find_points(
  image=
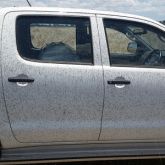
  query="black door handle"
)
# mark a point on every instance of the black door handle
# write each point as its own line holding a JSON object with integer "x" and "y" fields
{"x": 119, "y": 81}
{"x": 21, "y": 78}
{"x": 113, "y": 82}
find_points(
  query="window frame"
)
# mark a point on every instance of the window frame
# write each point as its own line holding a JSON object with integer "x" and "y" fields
{"x": 134, "y": 21}
{"x": 57, "y": 62}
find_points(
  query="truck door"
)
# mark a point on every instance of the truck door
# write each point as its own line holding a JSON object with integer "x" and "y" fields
{"x": 134, "y": 69}
{"x": 53, "y": 83}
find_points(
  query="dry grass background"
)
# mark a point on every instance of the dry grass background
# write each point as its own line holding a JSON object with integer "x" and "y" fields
{"x": 118, "y": 42}
{"x": 44, "y": 35}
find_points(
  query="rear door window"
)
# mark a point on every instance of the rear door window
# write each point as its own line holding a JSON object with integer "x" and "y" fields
{"x": 55, "y": 39}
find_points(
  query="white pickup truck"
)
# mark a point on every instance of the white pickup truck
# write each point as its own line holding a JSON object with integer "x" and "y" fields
{"x": 80, "y": 85}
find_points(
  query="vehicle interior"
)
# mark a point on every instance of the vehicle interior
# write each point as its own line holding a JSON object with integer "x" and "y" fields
{"x": 141, "y": 50}
{"x": 56, "y": 49}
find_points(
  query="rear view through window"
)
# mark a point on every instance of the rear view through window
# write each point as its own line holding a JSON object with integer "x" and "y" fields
{"x": 55, "y": 39}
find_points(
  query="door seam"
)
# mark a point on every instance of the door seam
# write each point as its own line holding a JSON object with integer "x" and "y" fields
{"x": 102, "y": 113}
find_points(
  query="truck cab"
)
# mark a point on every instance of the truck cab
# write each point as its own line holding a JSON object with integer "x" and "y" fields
{"x": 83, "y": 81}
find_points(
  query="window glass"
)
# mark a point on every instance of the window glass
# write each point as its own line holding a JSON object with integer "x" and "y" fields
{"x": 55, "y": 39}
{"x": 119, "y": 43}
{"x": 42, "y": 34}
{"x": 134, "y": 44}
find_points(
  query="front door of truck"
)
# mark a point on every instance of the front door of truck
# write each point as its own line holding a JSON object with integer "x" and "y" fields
{"x": 134, "y": 70}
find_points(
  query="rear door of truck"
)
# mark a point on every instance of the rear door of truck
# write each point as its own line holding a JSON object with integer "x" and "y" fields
{"x": 52, "y": 76}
